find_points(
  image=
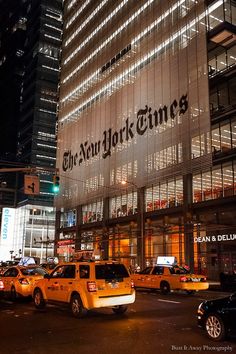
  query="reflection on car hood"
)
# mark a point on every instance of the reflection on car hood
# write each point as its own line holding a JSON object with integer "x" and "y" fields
{"x": 218, "y": 302}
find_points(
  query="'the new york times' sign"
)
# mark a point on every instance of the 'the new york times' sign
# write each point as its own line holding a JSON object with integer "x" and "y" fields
{"x": 147, "y": 119}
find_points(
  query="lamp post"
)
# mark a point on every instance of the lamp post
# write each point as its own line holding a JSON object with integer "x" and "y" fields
{"x": 140, "y": 221}
{"x": 11, "y": 253}
{"x": 32, "y": 230}
{"x": 45, "y": 243}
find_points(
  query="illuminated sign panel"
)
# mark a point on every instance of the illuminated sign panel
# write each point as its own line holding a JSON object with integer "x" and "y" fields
{"x": 147, "y": 119}
{"x": 215, "y": 238}
{"x": 166, "y": 260}
{"x": 7, "y": 230}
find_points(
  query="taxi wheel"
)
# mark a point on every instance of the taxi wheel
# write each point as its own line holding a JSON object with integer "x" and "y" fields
{"x": 76, "y": 306}
{"x": 165, "y": 288}
{"x": 120, "y": 309}
{"x": 13, "y": 294}
{"x": 39, "y": 302}
{"x": 215, "y": 327}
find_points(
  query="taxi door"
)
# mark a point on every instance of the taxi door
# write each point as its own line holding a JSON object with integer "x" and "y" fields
{"x": 156, "y": 277}
{"x": 52, "y": 285}
{"x": 172, "y": 278}
{"x": 142, "y": 279}
{"x": 60, "y": 283}
{"x": 9, "y": 279}
{"x": 66, "y": 282}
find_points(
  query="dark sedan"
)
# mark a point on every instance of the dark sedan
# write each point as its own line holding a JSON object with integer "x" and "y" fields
{"x": 218, "y": 317}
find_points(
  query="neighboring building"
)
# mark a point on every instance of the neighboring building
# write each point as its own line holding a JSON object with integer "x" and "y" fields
{"x": 12, "y": 39}
{"x": 36, "y": 134}
{"x": 35, "y": 118}
{"x": 147, "y": 97}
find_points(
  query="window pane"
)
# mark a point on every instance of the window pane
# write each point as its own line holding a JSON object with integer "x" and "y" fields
{"x": 233, "y": 128}
{"x": 206, "y": 186}
{"x": 228, "y": 180}
{"x": 197, "y": 188}
{"x": 217, "y": 184}
{"x": 215, "y": 138}
{"x": 225, "y": 137}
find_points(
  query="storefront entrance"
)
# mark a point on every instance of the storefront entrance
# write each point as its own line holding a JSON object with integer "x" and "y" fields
{"x": 228, "y": 262}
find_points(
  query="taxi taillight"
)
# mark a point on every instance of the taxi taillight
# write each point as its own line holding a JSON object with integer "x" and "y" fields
{"x": 184, "y": 279}
{"x": 23, "y": 281}
{"x": 132, "y": 283}
{"x": 1, "y": 285}
{"x": 91, "y": 286}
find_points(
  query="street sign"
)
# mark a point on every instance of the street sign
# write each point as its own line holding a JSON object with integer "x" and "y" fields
{"x": 31, "y": 185}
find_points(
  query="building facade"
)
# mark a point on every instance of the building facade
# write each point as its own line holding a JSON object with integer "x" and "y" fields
{"x": 12, "y": 39}
{"x": 39, "y": 96}
{"x": 37, "y": 124}
{"x": 146, "y": 132}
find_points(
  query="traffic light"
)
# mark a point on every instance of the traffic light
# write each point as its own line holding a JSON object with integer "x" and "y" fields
{"x": 56, "y": 184}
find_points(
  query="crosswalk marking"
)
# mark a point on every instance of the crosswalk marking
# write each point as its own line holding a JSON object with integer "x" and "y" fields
{"x": 174, "y": 302}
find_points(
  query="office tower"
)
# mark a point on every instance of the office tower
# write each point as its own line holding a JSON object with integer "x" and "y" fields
{"x": 36, "y": 114}
{"x": 12, "y": 38}
{"x": 146, "y": 132}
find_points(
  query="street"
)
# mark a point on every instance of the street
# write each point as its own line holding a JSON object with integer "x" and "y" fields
{"x": 153, "y": 324}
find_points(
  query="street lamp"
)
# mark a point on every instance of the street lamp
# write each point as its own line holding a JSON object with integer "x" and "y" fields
{"x": 11, "y": 253}
{"x": 45, "y": 243}
{"x": 124, "y": 182}
{"x": 32, "y": 231}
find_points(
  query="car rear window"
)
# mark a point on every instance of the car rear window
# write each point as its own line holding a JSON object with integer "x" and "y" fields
{"x": 111, "y": 271}
{"x": 178, "y": 270}
{"x": 33, "y": 271}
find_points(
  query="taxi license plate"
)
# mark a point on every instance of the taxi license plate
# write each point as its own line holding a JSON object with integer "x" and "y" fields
{"x": 195, "y": 279}
{"x": 114, "y": 285}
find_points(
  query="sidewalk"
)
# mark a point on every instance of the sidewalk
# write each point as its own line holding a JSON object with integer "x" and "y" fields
{"x": 214, "y": 285}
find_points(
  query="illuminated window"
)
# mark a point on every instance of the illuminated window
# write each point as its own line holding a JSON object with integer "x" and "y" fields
{"x": 123, "y": 205}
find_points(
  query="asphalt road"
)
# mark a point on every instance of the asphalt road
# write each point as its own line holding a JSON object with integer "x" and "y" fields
{"x": 154, "y": 324}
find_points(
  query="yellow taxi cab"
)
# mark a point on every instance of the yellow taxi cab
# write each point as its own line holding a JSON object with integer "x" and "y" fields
{"x": 168, "y": 278}
{"x": 86, "y": 285}
{"x": 18, "y": 281}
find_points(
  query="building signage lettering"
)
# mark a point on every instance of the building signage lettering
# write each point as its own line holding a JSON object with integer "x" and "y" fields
{"x": 147, "y": 118}
{"x": 214, "y": 238}
{"x": 6, "y": 221}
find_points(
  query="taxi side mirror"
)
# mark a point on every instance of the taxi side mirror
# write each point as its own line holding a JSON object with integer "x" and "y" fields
{"x": 47, "y": 276}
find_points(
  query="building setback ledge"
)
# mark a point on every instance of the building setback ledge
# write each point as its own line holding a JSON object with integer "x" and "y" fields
{"x": 224, "y": 34}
